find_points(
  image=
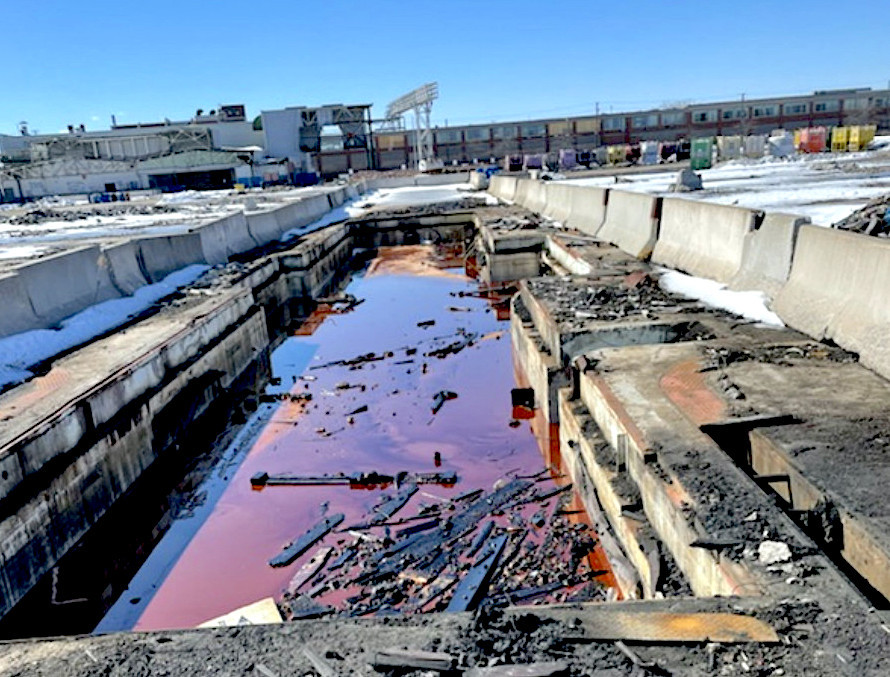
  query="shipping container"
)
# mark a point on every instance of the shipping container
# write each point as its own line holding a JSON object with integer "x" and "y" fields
{"x": 568, "y": 158}
{"x": 755, "y": 146}
{"x": 860, "y": 136}
{"x": 812, "y": 139}
{"x": 617, "y": 154}
{"x": 649, "y": 152}
{"x": 839, "y": 136}
{"x": 729, "y": 147}
{"x": 701, "y": 150}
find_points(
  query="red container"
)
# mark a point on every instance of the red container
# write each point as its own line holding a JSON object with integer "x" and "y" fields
{"x": 813, "y": 139}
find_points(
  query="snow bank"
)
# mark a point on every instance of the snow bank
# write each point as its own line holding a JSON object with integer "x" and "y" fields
{"x": 340, "y": 213}
{"x": 20, "y": 352}
{"x": 412, "y": 196}
{"x": 748, "y": 304}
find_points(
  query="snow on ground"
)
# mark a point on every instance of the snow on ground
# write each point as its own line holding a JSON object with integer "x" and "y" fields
{"x": 100, "y": 226}
{"x": 411, "y": 196}
{"x": 340, "y": 213}
{"x": 20, "y": 352}
{"x": 389, "y": 197}
{"x": 748, "y": 304}
{"x": 826, "y": 187}
{"x": 8, "y": 253}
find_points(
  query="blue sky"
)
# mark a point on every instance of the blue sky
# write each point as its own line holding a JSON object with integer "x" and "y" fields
{"x": 79, "y": 62}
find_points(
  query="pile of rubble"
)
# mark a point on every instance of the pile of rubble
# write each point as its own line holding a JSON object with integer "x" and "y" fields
{"x": 873, "y": 219}
{"x": 576, "y": 303}
{"x": 41, "y": 215}
{"x": 514, "y": 544}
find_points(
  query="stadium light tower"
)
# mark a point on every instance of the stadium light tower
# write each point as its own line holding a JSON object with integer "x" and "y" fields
{"x": 420, "y": 101}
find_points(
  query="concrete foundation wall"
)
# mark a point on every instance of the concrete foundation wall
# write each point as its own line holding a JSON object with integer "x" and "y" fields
{"x": 838, "y": 290}
{"x": 702, "y": 238}
{"x": 631, "y": 222}
{"x": 39, "y": 533}
{"x": 767, "y": 253}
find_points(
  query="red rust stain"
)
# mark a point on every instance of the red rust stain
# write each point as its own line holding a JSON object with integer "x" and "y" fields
{"x": 36, "y": 389}
{"x": 425, "y": 260}
{"x": 685, "y": 386}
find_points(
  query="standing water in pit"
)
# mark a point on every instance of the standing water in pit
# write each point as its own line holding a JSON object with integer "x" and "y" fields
{"x": 411, "y": 380}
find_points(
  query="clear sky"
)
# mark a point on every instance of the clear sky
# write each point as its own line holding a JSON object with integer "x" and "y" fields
{"x": 79, "y": 62}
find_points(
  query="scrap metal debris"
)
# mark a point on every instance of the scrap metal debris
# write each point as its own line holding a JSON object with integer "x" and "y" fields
{"x": 873, "y": 219}
{"x": 455, "y": 554}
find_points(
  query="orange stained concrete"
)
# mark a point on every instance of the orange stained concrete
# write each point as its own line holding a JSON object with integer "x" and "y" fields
{"x": 685, "y": 386}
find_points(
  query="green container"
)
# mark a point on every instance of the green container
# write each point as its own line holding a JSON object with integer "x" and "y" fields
{"x": 700, "y": 155}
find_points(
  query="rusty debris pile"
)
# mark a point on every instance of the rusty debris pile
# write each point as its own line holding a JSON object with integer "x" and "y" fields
{"x": 873, "y": 219}
{"x": 516, "y": 543}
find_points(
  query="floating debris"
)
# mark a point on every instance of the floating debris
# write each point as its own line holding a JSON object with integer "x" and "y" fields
{"x": 307, "y": 540}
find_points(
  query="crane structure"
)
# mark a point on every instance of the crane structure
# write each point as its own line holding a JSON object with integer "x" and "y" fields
{"x": 420, "y": 101}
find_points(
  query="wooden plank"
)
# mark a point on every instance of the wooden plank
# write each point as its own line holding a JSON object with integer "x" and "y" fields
{"x": 546, "y": 669}
{"x": 414, "y": 660}
{"x": 307, "y": 540}
{"x": 319, "y": 664}
{"x": 652, "y": 626}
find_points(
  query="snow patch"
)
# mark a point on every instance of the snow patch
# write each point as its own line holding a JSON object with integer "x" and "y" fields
{"x": 20, "y": 352}
{"x": 748, "y": 304}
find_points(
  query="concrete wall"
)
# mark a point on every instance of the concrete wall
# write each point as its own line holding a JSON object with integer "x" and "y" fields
{"x": 165, "y": 254}
{"x": 536, "y": 197}
{"x": 588, "y": 210}
{"x": 631, "y": 222}
{"x": 18, "y": 314}
{"x": 767, "y": 253}
{"x": 63, "y": 284}
{"x": 559, "y": 201}
{"x": 702, "y": 238}
{"x": 503, "y": 187}
{"x": 36, "y": 533}
{"x": 838, "y": 290}
{"x": 263, "y": 227}
{"x": 123, "y": 261}
{"x": 225, "y": 237}
{"x": 43, "y": 293}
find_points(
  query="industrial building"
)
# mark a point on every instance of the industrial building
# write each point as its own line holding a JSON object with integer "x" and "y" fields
{"x": 213, "y": 150}
{"x": 297, "y": 144}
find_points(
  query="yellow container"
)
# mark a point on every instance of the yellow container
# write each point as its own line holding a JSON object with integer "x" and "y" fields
{"x": 853, "y": 140}
{"x": 617, "y": 154}
{"x": 867, "y": 134}
{"x": 839, "y": 139}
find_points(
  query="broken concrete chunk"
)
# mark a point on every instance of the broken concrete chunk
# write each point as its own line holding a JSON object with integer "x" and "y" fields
{"x": 773, "y": 552}
{"x": 413, "y": 660}
{"x": 546, "y": 669}
{"x": 687, "y": 180}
